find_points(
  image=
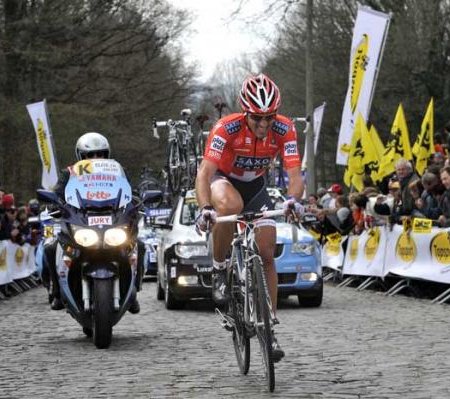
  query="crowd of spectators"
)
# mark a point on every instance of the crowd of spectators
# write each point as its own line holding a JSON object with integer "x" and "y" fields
{"x": 19, "y": 223}
{"x": 402, "y": 195}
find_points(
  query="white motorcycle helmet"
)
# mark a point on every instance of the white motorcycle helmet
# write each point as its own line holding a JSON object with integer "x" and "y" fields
{"x": 92, "y": 145}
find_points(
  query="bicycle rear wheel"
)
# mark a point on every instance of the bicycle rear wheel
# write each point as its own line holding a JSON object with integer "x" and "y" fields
{"x": 191, "y": 163}
{"x": 263, "y": 327}
{"x": 236, "y": 309}
{"x": 174, "y": 171}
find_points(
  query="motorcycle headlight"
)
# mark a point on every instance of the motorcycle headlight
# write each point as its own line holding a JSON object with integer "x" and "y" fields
{"x": 115, "y": 236}
{"x": 304, "y": 248}
{"x": 190, "y": 251}
{"x": 86, "y": 237}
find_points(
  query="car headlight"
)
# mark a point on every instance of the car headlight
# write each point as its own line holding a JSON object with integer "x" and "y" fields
{"x": 190, "y": 251}
{"x": 309, "y": 276}
{"x": 115, "y": 236}
{"x": 86, "y": 237}
{"x": 305, "y": 248}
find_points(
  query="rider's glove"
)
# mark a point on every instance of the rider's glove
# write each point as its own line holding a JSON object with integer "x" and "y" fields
{"x": 292, "y": 205}
{"x": 206, "y": 216}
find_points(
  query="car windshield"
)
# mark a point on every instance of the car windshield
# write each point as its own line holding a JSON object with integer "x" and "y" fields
{"x": 189, "y": 212}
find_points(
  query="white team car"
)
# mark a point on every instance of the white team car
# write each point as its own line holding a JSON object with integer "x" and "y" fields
{"x": 183, "y": 263}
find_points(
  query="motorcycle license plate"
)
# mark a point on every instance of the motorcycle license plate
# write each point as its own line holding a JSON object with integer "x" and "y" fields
{"x": 99, "y": 220}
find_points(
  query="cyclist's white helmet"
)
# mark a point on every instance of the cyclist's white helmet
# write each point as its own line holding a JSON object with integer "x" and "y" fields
{"x": 259, "y": 95}
{"x": 92, "y": 145}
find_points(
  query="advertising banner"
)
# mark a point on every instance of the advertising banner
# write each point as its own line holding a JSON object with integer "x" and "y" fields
{"x": 366, "y": 253}
{"x": 39, "y": 117}
{"x": 369, "y": 36}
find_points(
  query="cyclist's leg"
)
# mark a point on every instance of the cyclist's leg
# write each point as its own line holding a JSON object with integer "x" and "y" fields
{"x": 226, "y": 200}
{"x": 266, "y": 236}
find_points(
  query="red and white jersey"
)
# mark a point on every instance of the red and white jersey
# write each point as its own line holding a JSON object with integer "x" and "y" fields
{"x": 239, "y": 154}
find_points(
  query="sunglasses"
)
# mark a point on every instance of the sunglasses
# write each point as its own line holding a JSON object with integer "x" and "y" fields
{"x": 259, "y": 118}
{"x": 95, "y": 154}
{"x": 11, "y": 210}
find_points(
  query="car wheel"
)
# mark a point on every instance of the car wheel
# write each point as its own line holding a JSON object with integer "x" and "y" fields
{"x": 159, "y": 289}
{"x": 169, "y": 299}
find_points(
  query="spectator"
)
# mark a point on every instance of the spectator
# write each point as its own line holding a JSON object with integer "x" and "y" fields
{"x": 9, "y": 223}
{"x": 337, "y": 219}
{"x": 437, "y": 159}
{"x": 428, "y": 203}
{"x": 444, "y": 204}
{"x": 391, "y": 204}
{"x": 438, "y": 145}
{"x": 416, "y": 189}
{"x": 405, "y": 175}
{"x": 23, "y": 227}
{"x": 333, "y": 191}
{"x": 358, "y": 204}
{"x": 312, "y": 201}
{"x": 324, "y": 197}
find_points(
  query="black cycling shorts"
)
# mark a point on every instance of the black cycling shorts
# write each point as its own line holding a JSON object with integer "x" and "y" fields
{"x": 253, "y": 193}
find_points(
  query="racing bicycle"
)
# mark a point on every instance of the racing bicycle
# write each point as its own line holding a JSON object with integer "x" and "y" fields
{"x": 181, "y": 162}
{"x": 249, "y": 310}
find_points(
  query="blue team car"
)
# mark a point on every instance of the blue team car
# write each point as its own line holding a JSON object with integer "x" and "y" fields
{"x": 298, "y": 261}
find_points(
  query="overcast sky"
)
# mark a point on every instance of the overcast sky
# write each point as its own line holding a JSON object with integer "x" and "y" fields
{"x": 216, "y": 38}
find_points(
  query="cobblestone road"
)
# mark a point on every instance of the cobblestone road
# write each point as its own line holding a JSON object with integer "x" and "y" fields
{"x": 357, "y": 345}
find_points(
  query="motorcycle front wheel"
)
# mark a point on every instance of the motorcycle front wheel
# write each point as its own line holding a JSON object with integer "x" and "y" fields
{"x": 103, "y": 313}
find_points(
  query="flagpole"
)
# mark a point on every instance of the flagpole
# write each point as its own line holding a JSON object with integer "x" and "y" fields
{"x": 377, "y": 68}
{"x": 50, "y": 134}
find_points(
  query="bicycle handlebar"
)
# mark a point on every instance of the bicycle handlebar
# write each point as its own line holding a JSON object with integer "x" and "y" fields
{"x": 250, "y": 215}
{"x": 169, "y": 123}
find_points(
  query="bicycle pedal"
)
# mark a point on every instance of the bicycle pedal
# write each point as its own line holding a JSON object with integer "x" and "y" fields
{"x": 226, "y": 325}
{"x": 226, "y": 321}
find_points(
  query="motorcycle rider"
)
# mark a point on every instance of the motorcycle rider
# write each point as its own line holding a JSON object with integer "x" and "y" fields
{"x": 90, "y": 145}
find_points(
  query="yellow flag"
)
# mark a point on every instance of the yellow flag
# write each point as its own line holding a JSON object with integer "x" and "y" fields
{"x": 378, "y": 144}
{"x": 371, "y": 160}
{"x": 355, "y": 167}
{"x": 424, "y": 145}
{"x": 398, "y": 147}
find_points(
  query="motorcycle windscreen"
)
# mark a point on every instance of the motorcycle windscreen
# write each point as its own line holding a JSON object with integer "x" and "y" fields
{"x": 98, "y": 183}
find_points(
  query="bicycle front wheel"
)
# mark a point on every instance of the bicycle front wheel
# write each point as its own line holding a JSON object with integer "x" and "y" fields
{"x": 263, "y": 327}
{"x": 236, "y": 309}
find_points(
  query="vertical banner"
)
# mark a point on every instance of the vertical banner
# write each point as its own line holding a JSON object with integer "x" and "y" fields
{"x": 39, "y": 117}
{"x": 317, "y": 125}
{"x": 369, "y": 36}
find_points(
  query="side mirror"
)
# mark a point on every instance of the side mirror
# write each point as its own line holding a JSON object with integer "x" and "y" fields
{"x": 151, "y": 197}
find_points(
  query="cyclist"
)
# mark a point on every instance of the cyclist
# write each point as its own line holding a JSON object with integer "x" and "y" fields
{"x": 89, "y": 146}
{"x": 231, "y": 178}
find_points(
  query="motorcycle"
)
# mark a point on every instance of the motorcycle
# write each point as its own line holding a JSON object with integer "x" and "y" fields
{"x": 96, "y": 259}
{"x": 155, "y": 212}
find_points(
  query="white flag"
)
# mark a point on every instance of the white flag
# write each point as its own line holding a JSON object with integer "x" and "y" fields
{"x": 369, "y": 36}
{"x": 39, "y": 117}
{"x": 317, "y": 124}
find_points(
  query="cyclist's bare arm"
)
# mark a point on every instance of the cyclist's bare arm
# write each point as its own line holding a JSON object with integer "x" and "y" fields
{"x": 205, "y": 174}
{"x": 296, "y": 185}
